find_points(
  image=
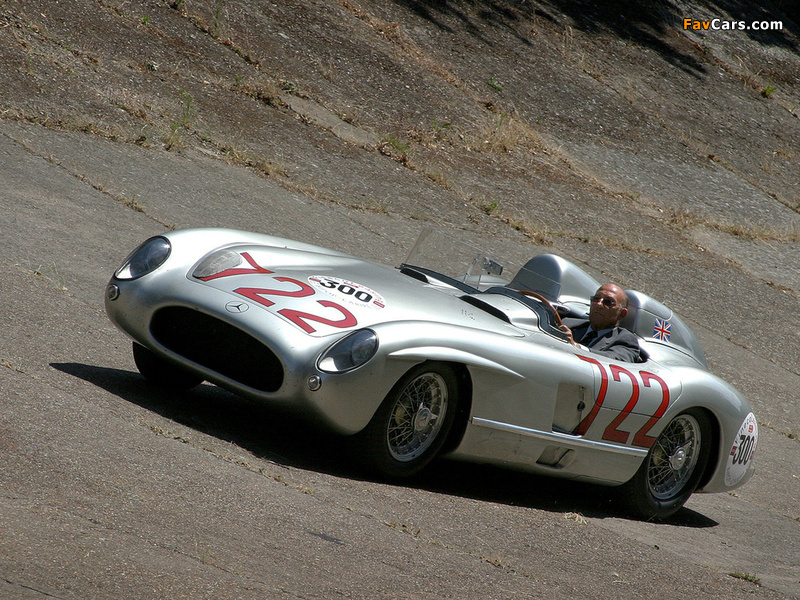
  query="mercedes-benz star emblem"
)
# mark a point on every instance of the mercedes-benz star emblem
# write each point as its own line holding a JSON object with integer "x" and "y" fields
{"x": 237, "y": 307}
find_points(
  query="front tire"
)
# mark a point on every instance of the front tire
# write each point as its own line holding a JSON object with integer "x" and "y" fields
{"x": 161, "y": 372}
{"x": 673, "y": 467}
{"x": 412, "y": 423}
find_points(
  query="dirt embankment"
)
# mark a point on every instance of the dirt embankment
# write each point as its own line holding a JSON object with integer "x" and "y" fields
{"x": 655, "y": 143}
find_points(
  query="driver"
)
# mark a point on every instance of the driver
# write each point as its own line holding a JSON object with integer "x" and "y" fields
{"x": 602, "y": 334}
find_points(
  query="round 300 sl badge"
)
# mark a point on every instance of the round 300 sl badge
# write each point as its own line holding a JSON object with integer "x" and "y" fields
{"x": 349, "y": 292}
{"x": 742, "y": 451}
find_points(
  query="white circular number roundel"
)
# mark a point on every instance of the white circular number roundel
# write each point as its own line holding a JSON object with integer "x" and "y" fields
{"x": 348, "y": 292}
{"x": 742, "y": 451}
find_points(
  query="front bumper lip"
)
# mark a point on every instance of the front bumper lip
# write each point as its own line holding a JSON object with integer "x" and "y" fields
{"x": 343, "y": 402}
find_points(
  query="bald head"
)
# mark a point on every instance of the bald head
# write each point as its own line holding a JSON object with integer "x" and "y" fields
{"x": 609, "y": 306}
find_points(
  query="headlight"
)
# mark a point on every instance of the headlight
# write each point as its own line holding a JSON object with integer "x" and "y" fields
{"x": 216, "y": 263}
{"x": 349, "y": 352}
{"x": 145, "y": 259}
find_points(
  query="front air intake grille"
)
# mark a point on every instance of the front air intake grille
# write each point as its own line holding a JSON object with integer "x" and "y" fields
{"x": 217, "y": 346}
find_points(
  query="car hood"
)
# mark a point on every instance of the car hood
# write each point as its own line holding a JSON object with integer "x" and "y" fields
{"x": 325, "y": 293}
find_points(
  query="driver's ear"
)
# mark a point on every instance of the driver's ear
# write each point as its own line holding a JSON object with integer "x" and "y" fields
{"x": 622, "y": 313}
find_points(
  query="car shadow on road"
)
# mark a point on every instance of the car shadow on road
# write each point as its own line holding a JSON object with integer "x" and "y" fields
{"x": 286, "y": 440}
{"x": 496, "y": 484}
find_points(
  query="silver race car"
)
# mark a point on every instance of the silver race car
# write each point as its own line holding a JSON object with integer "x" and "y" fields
{"x": 439, "y": 356}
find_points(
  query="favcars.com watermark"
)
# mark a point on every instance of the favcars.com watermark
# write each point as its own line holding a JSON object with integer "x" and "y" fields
{"x": 726, "y": 25}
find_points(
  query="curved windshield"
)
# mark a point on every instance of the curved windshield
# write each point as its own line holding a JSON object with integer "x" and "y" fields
{"x": 458, "y": 264}
{"x": 439, "y": 259}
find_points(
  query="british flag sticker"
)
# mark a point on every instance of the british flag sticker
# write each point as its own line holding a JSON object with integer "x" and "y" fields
{"x": 661, "y": 331}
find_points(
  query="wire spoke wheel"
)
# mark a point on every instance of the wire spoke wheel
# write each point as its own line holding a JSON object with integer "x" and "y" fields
{"x": 674, "y": 457}
{"x": 673, "y": 468}
{"x": 413, "y": 422}
{"x": 417, "y": 417}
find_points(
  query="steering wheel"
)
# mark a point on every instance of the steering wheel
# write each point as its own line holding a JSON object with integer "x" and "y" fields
{"x": 544, "y": 301}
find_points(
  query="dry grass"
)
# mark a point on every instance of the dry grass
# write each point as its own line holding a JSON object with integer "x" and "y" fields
{"x": 502, "y": 133}
{"x": 684, "y": 219}
{"x": 745, "y": 577}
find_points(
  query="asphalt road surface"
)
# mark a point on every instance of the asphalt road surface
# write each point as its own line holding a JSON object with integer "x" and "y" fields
{"x": 110, "y": 488}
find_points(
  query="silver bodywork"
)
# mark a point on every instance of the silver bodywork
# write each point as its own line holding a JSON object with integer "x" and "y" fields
{"x": 532, "y": 400}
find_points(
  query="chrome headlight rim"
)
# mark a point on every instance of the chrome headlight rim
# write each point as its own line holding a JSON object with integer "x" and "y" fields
{"x": 350, "y": 352}
{"x": 146, "y": 258}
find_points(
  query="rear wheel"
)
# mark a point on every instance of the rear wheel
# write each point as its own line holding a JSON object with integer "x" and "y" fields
{"x": 673, "y": 467}
{"x": 161, "y": 372}
{"x": 412, "y": 423}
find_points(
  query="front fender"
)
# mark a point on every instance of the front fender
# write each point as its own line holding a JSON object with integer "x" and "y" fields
{"x": 446, "y": 354}
{"x": 349, "y": 400}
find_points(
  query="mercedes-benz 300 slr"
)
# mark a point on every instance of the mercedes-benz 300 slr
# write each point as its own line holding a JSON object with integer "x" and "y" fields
{"x": 460, "y": 358}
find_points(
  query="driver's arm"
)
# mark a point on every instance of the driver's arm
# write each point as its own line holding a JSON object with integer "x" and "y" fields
{"x": 568, "y": 331}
